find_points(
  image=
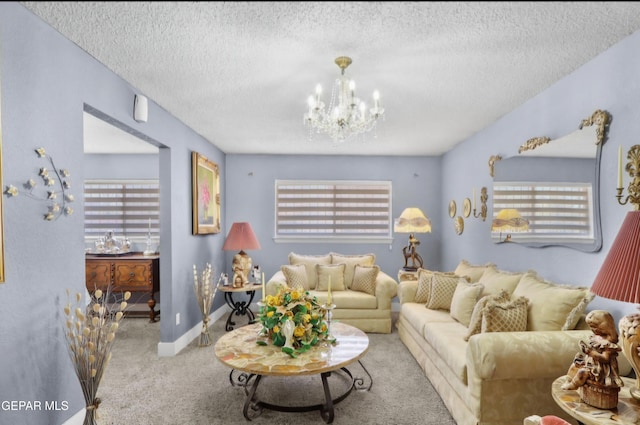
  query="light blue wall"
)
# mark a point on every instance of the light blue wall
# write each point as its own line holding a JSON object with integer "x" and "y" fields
{"x": 47, "y": 82}
{"x": 250, "y": 181}
{"x": 609, "y": 82}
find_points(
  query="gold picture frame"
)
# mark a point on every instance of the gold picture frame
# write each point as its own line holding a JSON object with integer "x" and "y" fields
{"x": 205, "y": 195}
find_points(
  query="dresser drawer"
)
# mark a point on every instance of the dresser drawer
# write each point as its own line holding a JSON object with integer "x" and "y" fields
{"x": 131, "y": 275}
{"x": 98, "y": 275}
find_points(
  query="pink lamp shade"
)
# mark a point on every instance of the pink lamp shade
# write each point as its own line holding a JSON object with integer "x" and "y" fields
{"x": 241, "y": 237}
{"x": 619, "y": 276}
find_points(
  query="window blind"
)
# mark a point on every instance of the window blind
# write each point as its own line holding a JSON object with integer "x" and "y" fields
{"x": 129, "y": 208}
{"x": 315, "y": 209}
{"x": 556, "y": 210}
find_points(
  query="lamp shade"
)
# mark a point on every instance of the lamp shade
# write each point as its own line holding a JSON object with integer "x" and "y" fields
{"x": 509, "y": 220}
{"x": 619, "y": 276}
{"x": 241, "y": 237}
{"x": 412, "y": 220}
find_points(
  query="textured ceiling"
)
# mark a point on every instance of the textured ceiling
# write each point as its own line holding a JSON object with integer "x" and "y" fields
{"x": 239, "y": 73}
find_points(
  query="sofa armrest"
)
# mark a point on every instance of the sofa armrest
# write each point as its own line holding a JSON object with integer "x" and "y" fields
{"x": 407, "y": 291}
{"x": 522, "y": 355}
{"x": 277, "y": 280}
{"x": 386, "y": 290}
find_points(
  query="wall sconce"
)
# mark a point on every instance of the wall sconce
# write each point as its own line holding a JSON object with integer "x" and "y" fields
{"x": 633, "y": 168}
{"x": 509, "y": 221}
{"x": 483, "y": 203}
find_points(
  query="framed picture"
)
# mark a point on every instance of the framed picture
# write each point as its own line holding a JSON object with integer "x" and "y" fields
{"x": 205, "y": 195}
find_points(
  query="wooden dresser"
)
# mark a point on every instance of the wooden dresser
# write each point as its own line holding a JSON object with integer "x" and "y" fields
{"x": 132, "y": 272}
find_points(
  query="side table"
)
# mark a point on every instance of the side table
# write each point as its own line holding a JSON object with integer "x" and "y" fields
{"x": 239, "y": 307}
{"x": 627, "y": 412}
{"x": 407, "y": 275}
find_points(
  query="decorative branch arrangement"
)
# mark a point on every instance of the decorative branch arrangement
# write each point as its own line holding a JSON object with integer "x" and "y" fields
{"x": 205, "y": 293}
{"x": 56, "y": 199}
{"x": 89, "y": 334}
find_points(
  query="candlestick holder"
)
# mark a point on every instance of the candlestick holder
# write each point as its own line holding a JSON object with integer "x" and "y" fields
{"x": 483, "y": 205}
{"x": 633, "y": 168}
{"x": 329, "y": 309}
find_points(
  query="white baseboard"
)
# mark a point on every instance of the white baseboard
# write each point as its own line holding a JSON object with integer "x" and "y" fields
{"x": 170, "y": 349}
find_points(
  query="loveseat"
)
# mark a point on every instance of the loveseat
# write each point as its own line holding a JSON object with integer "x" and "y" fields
{"x": 361, "y": 291}
{"x": 491, "y": 342}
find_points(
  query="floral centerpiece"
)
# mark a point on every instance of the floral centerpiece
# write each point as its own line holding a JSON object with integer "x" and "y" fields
{"x": 293, "y": 320}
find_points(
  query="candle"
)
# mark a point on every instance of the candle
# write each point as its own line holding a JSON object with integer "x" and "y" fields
{"x": 264, "y": 293}
{"x": 149, "y": 227}
{"x": 620, "y": 166}
{"x": 329, "y": 292}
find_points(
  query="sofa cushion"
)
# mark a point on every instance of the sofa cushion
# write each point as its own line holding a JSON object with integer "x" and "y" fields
{"x": 310, "y": 262}
{"x": 475, "y": 322}
{"x": 505, "y": 317}
{"x": 347, "y": 299}
{"x": 464, "y": 299}
{"x": 424, "y": 286}
{"x": 333, "y": 273}
{"x": 495, "y": 280}
{"x": 474, "y": 272}
{"x": 443, "y": 285}
{"x": 552, "y": 307}
{"x": 364, "y": 279}
{"x": 296, "y": 276}
{"x": 417, "y": 316}
{"x": 447, "y": 340}
{"x": 351, "y": 261}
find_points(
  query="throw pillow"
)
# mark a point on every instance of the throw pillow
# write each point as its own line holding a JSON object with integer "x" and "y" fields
{"x": 507, "y": 317}
{"x": 443, "y": 285}
{"x": 310, "y": 262}
{"x": 474, "y": 272}
{"x": 364, "y": 279}
{"x": 424, "y": 286}
{"x": 335, "y": 272}
{"x": 475, "y": 322}
{"x": 495, "y": 280}
{"x": 464, "y": 299}
{"x": 553, "y": 307}
{"x": 351, "y": 262}
{"x": 296, "y": 276}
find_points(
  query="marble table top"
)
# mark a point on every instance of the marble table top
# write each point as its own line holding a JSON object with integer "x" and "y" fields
{"x": 627, "y": 412}
{"x": 239, "y": 350}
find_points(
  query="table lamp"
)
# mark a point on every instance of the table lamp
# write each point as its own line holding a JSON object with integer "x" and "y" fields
{"x": 412, "y": 220}
{"x": 241, "y": 237}
{"x": 509, "y": 220}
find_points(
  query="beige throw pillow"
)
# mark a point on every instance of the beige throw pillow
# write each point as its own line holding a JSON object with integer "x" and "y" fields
{"x": 333, "y": 271}
{"x": 506, "y": 317}
{"x": 310, "y": 262}
{"x": 351, "y": 261}
{"x": 495, "y": 280}
{"x": 443, "y": 286}
{"x": 464, "y": 299}
{"x": 552, "y": 307}
{"x": 424, "y": 286}
{"x": 364, "y": 279}
{"x": 475, "y": 322}
{"x": 473, "y": 272}
{"x": 296, "y": 276}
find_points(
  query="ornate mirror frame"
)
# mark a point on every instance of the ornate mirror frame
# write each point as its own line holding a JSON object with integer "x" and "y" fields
{"x": 595, "y": 128}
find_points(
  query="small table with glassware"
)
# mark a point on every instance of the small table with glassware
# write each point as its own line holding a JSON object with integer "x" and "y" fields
{"x": 239, "y": 307}
{"x": 627, "y": 412}
{"x": 252, "y": 362}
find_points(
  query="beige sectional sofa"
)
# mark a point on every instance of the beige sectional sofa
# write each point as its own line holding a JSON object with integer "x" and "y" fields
{"x": 492, "y": 342}
{"x": 361, "y": 291}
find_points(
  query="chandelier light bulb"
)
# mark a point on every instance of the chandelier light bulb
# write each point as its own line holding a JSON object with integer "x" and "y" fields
{"x": 342, "y": 120}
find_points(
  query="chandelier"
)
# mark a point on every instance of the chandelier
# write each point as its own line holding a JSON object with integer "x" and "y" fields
{"x": 347, "y": 115}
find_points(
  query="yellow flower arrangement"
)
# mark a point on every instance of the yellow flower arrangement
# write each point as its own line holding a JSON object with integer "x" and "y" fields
{"x": 304, "y": 313}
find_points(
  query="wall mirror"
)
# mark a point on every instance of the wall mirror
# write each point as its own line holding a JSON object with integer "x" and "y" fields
{"x": 548, "y": 194}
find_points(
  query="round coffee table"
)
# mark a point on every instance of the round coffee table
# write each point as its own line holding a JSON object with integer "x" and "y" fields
{"x": 239, "y": 351}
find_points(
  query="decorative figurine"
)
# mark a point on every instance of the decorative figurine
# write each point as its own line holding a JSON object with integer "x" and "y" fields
{"x": 594, "y": 372}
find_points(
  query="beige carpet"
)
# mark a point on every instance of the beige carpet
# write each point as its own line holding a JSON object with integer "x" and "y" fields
{"x": 192, "y": 388}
